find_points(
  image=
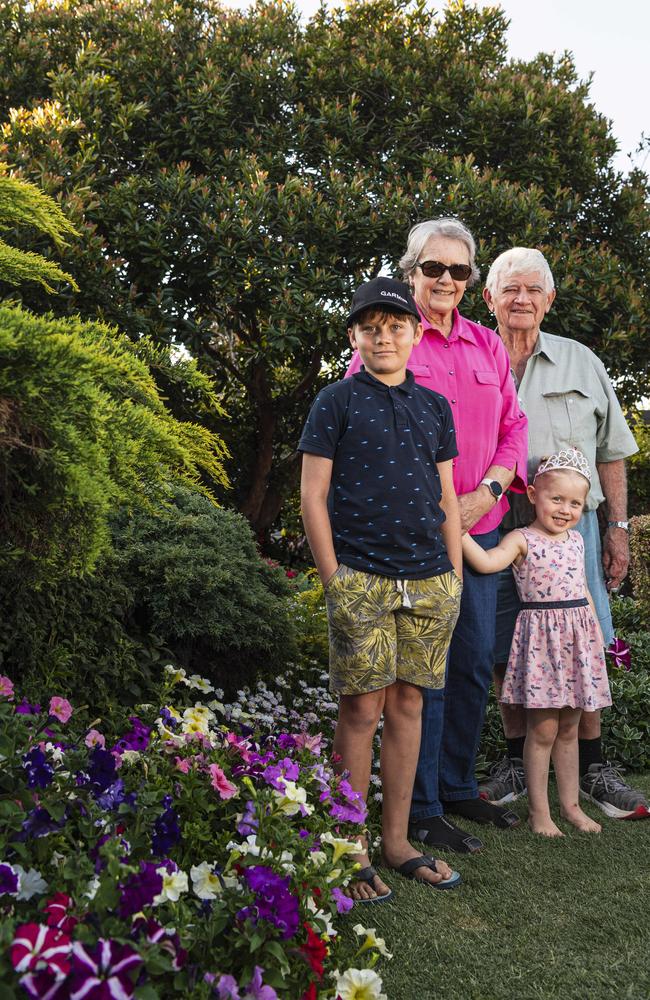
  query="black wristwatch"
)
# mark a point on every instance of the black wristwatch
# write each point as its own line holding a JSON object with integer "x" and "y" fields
{"x": 494, "y": 486}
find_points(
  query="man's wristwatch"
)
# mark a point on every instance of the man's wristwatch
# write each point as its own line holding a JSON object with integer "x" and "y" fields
{"x": 494, "y": 486}
{"x": 625, "y": 525}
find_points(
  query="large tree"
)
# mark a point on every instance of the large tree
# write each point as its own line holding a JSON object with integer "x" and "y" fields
{"x": 234, "y": 175}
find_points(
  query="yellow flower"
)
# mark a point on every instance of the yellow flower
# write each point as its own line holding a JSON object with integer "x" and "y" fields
{"x": 359, "y": 984}
{"x": 372, "y": 941}
{"x": 340, "y": 846}
{"x": 293, "y": 799}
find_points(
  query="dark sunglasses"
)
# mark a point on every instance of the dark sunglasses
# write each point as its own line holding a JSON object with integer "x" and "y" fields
{"x": 434, "y": 269}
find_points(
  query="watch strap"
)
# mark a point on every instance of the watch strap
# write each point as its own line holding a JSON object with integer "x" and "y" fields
{"x": 625, "y": 525}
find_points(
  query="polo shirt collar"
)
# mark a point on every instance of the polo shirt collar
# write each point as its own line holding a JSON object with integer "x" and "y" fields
{"x": 461, "y": 328}
{"x": 545, "y": 347}
{"x": 405, "y": 386}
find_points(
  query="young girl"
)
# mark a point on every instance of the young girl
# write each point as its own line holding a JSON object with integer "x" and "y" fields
{"x": 557, "y": 666}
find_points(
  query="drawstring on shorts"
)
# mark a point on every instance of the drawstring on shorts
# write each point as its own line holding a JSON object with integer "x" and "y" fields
{"x": 401, "y": 586}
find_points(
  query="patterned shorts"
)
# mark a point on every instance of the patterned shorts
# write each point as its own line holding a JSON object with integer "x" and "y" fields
{"x": 383, "y": 629}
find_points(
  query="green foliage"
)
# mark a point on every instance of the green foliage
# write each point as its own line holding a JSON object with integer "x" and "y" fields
{"x": 232, "y": 181}
{"x": 83, "y": 428}
{"x": 22, "y": 204}
{"x": 640, "y": 562}
{"x": 639, "y": 466}
{"x": 182, "y": 583}
{"x": 310, "y": 618}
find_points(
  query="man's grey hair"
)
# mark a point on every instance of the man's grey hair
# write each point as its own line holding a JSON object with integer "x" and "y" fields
{"x": 519, "y": 260}
{"x": 451, "y": 229}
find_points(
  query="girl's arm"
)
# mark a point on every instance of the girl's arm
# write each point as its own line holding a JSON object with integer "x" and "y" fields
{"x": 450, "y": 529}
{"x": 510, "y": 549}
{"x": 314, "y": 488}
{"x": 593, "y": 611}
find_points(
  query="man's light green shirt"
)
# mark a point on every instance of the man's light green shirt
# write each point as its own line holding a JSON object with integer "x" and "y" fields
{"x": 569, "y": 400}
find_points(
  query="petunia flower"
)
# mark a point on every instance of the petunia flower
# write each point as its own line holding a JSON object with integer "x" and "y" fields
{"x": 141, "y": 889}
{"x": 256, "y": 990}
{"x": 6, "y": 688}
{"x": 371, "y": 940}
{"x": 227, "y": 988}
{"x": 315, "y": 951}
{"x": 103, "y": 971}
{"x": 31, "y": 882}
{"x": 199, "y": 683}
{"x": 94, "y": 739}
{"x": 37, "y": 948}
{"x": 359, "y": 984}
{"x": 206, "y": 882}
{"x": 293, "y": 799}
{"x": 173, "y": 884}
{"x": 343, "y": 903}
{"x": 60, "y": 708}
{"x": 39, "y": 772}
{"x": 341, "y": 846}
{"x": 57, "y": 913}
{"x": 9, "y": 879}
{"x": 220, "y": 782}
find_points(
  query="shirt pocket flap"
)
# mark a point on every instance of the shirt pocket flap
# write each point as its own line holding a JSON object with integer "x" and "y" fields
{"x": 422, "y": 370}
{"x": 487, "y": 378}
{"x": 566, "y": 390}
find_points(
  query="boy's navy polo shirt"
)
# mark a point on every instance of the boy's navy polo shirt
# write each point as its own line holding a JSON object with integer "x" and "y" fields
{"x": 384, "y": 500}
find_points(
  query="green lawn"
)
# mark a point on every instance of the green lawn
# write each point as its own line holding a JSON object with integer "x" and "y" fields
{"x": 534, "y": 918}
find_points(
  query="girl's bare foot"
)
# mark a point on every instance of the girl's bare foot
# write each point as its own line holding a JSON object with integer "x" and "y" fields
{"x": 366, "y": 890}
{"x": 580, "y": 820}
{"x": 397, "y": 854}
{"x": 544, "y": 826}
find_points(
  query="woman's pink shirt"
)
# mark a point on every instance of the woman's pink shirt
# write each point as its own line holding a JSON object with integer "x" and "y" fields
{"x": 471, "y": 369}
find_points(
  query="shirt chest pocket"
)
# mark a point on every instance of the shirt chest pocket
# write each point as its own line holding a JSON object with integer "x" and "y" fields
{"x": 420, "y": 372}
{"x": 487, "y": 385}
{"x": 571, "y": 415}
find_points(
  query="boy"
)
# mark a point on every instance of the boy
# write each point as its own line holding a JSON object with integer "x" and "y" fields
{"x": 382, "y": 521}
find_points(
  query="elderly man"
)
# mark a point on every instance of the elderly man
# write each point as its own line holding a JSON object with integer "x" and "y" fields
{"x": 569, "y": 400}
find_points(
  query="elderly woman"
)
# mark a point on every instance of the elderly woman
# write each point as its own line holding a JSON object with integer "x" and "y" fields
{"x": 468, "y": 364}
{"x": 569, "y": 400}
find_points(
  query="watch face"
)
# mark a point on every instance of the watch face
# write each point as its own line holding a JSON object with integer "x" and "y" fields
{"x": 497, "y": 488}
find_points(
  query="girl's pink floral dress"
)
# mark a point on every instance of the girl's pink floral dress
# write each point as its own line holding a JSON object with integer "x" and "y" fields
{"x": 556, "y": 658}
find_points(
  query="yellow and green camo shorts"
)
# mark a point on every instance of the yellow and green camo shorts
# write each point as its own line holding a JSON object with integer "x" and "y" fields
{"x": 383, "y": 629}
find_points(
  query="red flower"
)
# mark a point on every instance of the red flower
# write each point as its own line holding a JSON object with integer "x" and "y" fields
{"x": 315, "y": 951}
{"x": 310, "y": 993}
{"x": 37, "y": 948}
{"x": 57, "y": 913}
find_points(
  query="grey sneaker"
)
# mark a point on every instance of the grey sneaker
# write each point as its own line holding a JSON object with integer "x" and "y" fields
{"x": 505, "y": 783}
{"x": 604, "y": 786}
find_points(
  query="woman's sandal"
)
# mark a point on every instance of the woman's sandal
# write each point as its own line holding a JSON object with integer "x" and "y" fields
{"x": 409, "y": 868}
{"x": 368, "y": 875}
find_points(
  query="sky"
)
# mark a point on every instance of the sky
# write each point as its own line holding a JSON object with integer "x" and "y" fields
{"x": 610, "y": 38}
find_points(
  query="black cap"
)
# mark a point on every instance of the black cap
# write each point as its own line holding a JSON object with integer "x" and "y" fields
{"x": 383, "y": 293}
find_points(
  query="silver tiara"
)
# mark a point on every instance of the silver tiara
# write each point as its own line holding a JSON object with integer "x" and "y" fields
{"x": 567, "y": 458}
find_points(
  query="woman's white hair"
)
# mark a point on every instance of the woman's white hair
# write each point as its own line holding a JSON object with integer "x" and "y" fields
{"x": 519, "y": 260}
{"x": 451, "y": 229}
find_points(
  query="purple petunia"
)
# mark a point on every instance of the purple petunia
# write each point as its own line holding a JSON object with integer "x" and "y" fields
{"x": 39, "y": 772}
{"x": 9, "y": 880}
{"x": 248, "y": 823}
{"x": 39, "y": 823}
{"x": 166, "y": 831}
{"x": 276, "y": 774}
{"x": 103, "y": 971}
{"x": 24, "y": 708}
{"x": 101, "y": 770}
{"x": 140, "y": 889}
{"x": 137, "y": 738}
{"x": 343, "y": 903}
{"x": 115, "y": 796}
{"x": 273, "y": 901}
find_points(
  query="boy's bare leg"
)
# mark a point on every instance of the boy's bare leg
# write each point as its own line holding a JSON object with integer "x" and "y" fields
{"x": 541, "y": 734}
{"x": 565, "y": 764}
{"x": 359, "y": 715}
{"x": 400, "y": 747}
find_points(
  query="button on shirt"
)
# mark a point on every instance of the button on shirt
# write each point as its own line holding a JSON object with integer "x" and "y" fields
{"x": 471, "y": 369}
{"x": 569, "y": 400}
{"x": 384, "y": 499}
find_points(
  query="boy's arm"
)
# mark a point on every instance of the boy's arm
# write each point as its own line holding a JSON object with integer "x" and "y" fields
{"x": 314, "y": 488}
{"x": 509, "y": 550}
{"x": 450, "y": 528}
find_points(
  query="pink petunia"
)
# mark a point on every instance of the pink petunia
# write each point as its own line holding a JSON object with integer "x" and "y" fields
{"x": 6, "y": 688}
{"x": 220, "y": 782}
{"x": 57, "y": 912}
{"x": 37, "y": 948}
{"x": 60, "y": 708}
{"x": 183, "y": 764}
{"x": 94, "y": 739}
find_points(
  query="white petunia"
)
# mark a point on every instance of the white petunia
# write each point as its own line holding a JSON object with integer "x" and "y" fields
{"x": 199, "y": 683}
{"x": 249, "y": 846}
{"x": 359, "y": 984}
{"x": 371, "y": 940}
{"x": 341, "y": 846}
{"x": 293, "y": 799}
{"x": 31, "y": 882}
{"x": 175, "y": 674}
{"x": 56, "y": 753}
{"x": 174, "y": 883}
{"x": 205, "y": 882}
{"x": 92, "y": 887}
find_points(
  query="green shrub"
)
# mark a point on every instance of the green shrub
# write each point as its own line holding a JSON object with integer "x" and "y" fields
{"x": 639, "y": 467}
{"x": 310, "y": 618}
{"x": 640, "y": 563}
{"x": 185, "y": 584}
{"x": 84, "y": 429}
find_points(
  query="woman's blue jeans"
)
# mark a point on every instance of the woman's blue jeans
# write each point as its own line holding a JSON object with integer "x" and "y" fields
{"x": 452, "y": 718}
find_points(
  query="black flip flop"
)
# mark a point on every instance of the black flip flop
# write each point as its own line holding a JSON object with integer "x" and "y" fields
{"x": 438, "y": 832}
{"x": 481, "y": 811}
{"x": 409, "y": 869}
{"x": 368, "y": 875}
